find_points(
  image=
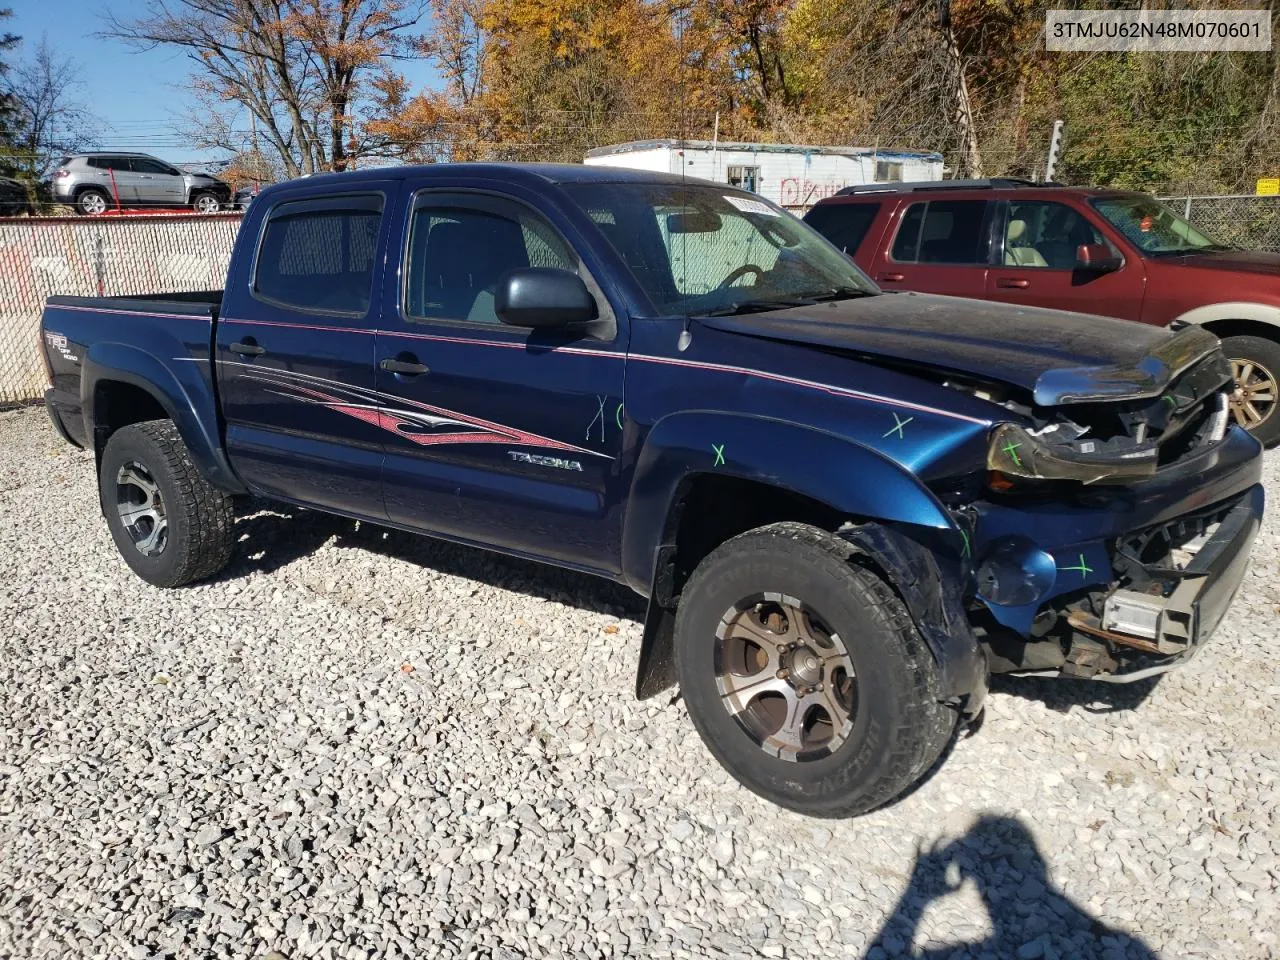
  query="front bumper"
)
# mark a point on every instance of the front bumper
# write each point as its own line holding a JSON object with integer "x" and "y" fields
{"x": 1064, "y": 556}
{"x": 1197, "y": 604}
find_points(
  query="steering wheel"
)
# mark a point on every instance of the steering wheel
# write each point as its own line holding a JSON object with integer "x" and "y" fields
{"x": 738, "y": 274}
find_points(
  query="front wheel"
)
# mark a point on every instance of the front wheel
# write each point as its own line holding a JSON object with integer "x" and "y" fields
{"x": 805, "y": 675}
{"x": 1255, "y": 364}
{"x": 170, "y": 525}
{"x": 205, "y": 203}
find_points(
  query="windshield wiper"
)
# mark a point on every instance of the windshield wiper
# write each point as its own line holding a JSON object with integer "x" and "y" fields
{"x": 756, "y": 306}
{"x": 840, "y": 293}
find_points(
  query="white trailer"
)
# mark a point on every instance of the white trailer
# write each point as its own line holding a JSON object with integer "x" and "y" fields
{"x": 791, "y": 175}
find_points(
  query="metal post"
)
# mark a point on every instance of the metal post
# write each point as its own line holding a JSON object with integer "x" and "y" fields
{"x": 100, "y": 265}
{"x": 1055, "y": 150}
{"x": 1186, "y": 211}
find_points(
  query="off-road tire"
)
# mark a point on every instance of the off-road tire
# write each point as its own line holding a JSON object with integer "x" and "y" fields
{"x": 200, "y": 517}
{"x": 1266, "y": 353}
{"x": 84, "y": 204}
{"x": 899, "y": 728}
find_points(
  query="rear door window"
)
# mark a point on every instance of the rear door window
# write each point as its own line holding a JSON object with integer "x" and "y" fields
{"x": 844, "y": 224}
{"x": 944, "y": 231}
{"x": 318, "y": 255}
{"x": 119, "y": 164}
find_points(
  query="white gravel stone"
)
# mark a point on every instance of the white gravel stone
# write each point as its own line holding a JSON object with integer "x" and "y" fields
{"x": 246, "y": 766}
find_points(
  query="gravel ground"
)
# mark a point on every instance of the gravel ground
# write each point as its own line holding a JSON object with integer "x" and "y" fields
{"x": 360, "y": 744}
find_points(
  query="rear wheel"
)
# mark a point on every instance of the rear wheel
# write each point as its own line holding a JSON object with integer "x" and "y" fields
{"x": 92, "y": 202}
{"x": 169, "y": 524}
{"x": 805, "y": 675}
{"x": 1255, "y": 364}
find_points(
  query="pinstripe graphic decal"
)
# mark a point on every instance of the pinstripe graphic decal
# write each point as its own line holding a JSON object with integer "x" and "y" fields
{"x": 203, "y": 317}
{"x": 827, "y": 388}
{"x": 424, "y": 425}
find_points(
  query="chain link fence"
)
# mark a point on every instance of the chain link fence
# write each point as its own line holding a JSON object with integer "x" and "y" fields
{"x": 100, "y": 256}
{"x": 1247, "y": 221}
{"x": 105, "y": 256}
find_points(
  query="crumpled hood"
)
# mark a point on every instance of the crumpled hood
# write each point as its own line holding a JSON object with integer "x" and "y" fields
{"x": 1061, "y": 357}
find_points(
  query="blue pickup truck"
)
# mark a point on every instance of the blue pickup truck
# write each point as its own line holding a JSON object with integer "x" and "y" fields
{"x": 846, "y": 508}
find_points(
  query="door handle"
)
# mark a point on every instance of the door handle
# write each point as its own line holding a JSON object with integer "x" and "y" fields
{"x": 246, "y": 349}
{"x": 1014, "y": 283}
{"x": 893, "y": 277}
{"x": 406, "y": 367}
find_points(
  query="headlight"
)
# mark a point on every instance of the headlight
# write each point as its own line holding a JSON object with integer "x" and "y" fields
{"x": 1014, "y": 452}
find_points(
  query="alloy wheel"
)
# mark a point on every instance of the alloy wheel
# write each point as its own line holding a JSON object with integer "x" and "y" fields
{"x": 786, "y": 677}
{"x": 141, "y": 509}
{"x": 206, "y": 203}
{"x": 1254, "y": 399}
{"x": 93, "y": 203}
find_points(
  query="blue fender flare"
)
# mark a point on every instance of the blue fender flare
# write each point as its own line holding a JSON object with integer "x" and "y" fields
{"x": 184, "y": 394}
{"x": 894, "y": 520}
{"x": 850, "y": 478}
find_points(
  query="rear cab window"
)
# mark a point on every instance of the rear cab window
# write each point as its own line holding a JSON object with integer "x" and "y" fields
{"x": 317, "y": 255}
{"x": 944, "y": 232}
{"x": 844, "y": 224}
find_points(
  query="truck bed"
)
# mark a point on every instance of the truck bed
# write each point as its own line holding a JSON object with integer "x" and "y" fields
{"x": 163, "y": 338}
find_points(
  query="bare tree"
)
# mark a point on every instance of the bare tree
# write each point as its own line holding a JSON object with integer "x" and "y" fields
{"x": 7, "y": 42}
{"x": 48, "y": 120}
{"x": 301, "y": 68}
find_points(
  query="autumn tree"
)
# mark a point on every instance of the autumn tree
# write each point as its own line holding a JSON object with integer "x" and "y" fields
{"x": 303, "y": 69}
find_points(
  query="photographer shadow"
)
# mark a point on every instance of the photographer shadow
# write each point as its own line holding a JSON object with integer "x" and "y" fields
{"x": 1028, "y": 917}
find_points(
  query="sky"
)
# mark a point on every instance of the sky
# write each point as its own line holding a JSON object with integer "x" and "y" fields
{"x": 142, "y": 98}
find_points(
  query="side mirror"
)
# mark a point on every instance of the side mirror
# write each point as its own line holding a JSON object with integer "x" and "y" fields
{"x": 1097, "y": 257}
{"x": 543, "y": 297}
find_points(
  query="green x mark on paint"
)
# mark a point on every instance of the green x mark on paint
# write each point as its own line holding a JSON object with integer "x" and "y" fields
{"x": 1083, "y": 568}
{"x": 719, "y": 454}
{"x": 965, "y": 535}
{"x": 617, "y": 416}
{"x": 1011, "y": 449}
{"x": 898, "y": 424}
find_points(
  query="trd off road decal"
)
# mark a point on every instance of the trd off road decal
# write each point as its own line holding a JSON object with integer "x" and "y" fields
{"x": 419, "y": 423}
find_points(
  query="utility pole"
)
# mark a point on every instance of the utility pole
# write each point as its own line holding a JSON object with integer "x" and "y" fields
{"x": 1055, "y": 151}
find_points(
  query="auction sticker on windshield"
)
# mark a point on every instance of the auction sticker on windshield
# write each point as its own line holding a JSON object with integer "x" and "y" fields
{"x": 752, "y": 206}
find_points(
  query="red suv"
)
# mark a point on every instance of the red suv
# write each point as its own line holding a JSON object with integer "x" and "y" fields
{"x": 1105, "y": 252}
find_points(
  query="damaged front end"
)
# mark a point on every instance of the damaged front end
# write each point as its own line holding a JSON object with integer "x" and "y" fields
{"x": 1118, "y": 425}
{"x": 1170, "y": 586}
{"x": 1114, "y": 533}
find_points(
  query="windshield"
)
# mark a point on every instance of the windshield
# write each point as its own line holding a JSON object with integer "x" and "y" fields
{"x": 1152, "y": 227}
{"x": 707, "y": 249}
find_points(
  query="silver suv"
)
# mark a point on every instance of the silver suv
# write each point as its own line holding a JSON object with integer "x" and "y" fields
{"x": 95, "y": 182}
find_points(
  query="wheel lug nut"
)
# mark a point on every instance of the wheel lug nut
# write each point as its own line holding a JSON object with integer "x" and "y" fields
{"x": 783, "y": 673}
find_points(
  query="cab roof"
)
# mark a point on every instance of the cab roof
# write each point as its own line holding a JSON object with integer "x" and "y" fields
{"x": 558, "y": 173}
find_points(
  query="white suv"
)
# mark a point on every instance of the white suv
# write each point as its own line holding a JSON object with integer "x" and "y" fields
{"x": 95, "y": 182}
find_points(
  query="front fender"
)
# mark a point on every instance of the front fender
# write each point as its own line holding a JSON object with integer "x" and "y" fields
{"x": 1234, "y": 310}
{"x": 184, "y": 392}
{"x": 853, "y": 479}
